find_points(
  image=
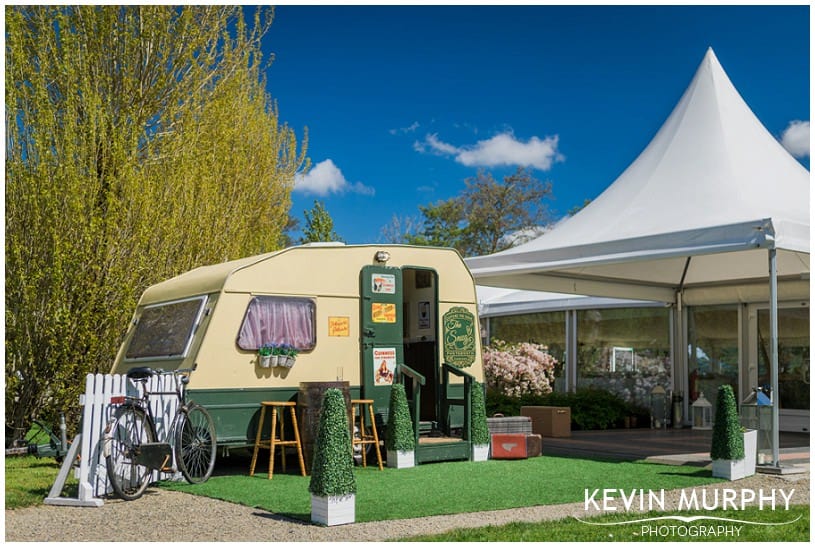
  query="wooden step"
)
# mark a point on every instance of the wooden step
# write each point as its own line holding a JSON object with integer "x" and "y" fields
{"x": 441, "y": 449}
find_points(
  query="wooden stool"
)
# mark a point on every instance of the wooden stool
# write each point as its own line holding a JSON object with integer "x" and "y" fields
{"x": 365, "y": 437}
{"x": 274, "y": 440}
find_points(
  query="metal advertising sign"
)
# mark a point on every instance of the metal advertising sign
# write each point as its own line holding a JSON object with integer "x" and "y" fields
{"x": 385, "y": 366}
{"x": 383, "y": 283}
{"x": 459, "y": 337}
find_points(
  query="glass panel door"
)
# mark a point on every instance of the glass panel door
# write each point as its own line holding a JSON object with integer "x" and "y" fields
{"x": 713, "y": 351}
{"x": 793, "y": 360}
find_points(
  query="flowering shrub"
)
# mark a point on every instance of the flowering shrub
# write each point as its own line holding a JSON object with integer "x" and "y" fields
{"x": 519, "y": 369}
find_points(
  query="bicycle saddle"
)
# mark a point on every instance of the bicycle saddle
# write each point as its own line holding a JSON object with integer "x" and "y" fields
{"x": 140, "y": 373}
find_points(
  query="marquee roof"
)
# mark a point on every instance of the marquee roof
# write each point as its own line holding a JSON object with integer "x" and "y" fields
{"x": 696, "y": 210}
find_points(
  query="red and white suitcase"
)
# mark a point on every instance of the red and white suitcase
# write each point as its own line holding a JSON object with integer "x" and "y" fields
{"x": 508, "y": 446}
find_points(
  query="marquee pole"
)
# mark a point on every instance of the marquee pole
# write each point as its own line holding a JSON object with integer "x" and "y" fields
{"x": 776, "y": 399}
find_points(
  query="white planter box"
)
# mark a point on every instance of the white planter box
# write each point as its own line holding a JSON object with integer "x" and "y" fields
{"x": 750, "y": 448}
{"x": 401, "y": 459}
{"x": 738, "y": 469}
{"x": 481, "y": 452}
{"x": 333, "y": 510}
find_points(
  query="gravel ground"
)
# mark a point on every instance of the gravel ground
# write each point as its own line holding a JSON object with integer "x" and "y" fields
{"x": 174, "y": 516}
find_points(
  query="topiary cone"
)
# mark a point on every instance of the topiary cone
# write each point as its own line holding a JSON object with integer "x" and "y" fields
{"x": 480, "y": 432}
{"x": 728, "y": 438}
{"x": 400, "y": 429}
{"x": 332, "y": 472}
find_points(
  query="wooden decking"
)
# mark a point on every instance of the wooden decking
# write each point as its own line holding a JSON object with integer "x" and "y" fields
{"x": 439, "y": 440}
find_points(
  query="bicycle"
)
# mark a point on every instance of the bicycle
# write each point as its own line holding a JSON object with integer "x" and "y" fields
{"x": 131, "y": 448}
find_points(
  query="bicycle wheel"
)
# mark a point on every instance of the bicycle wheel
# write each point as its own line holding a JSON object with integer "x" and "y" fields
{"x": 124, "y": 435}
{"x": 195, "y": 444}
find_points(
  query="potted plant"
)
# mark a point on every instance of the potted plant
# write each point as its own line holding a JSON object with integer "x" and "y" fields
{"x": 401, "y": 444}
{"x": 265, "y": 355}
{"x": 288, "y": 356}
{"x": 333, "y": 485}
{"x": 733, "y": 449}
{"x": 277, "y": 355}
{"x": 479, "y": 431}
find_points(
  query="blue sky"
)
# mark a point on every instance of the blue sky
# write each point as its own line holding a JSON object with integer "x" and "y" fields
{"x": 402, "y": 104}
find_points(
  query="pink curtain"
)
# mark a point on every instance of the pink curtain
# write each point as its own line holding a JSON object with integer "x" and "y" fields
{"x": 278, "y": 320}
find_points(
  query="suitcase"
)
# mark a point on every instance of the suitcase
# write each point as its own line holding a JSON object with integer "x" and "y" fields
{"x": 510, "y": 424}
{"x": 508, "y": 446}
{"x": 534, "y": 445}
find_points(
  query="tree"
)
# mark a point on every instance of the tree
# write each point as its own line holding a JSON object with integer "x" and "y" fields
{"x": 400, "y": 230}
{"x": 287, "y": 236}
{"x": 577, "y": 208}
{"x": 444, "y": 224}
{"x": 140, "y": 143}
{"x": 487, "y": 216}
{"x": 319, "y": 225}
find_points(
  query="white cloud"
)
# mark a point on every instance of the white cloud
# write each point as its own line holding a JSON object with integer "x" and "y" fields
{"x": 502, "y": 149}
{"x": 432, "y": 142}
{"x": 326, "y": 178}
{"x": 796, "y": 138}
{"x": 402, "y": 130}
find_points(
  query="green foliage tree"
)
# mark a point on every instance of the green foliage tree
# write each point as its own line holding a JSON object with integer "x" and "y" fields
{"x": 443, "y": 224}
{"x": 577, "y": 208}
{"x": 140, "y": 143}
{"x": 399, "y": 428}
{"x": 332, "y": 473}
{"x": 487, "y": 216}
{"x": 727, "y": 442}
{"x": 319, "y": 225}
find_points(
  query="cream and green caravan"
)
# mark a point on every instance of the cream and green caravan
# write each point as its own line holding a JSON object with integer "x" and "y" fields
{"x": 363, "y": 314}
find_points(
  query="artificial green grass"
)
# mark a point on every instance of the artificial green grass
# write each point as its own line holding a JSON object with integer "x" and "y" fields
{"x": 452, "y": 487}
{"x": 571, "y": 530}
{"x": 29, "y": 479}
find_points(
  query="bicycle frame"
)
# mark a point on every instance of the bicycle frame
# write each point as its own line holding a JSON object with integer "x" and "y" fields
{"x": 156, "y": 456}
{"x": 133, "y": 449}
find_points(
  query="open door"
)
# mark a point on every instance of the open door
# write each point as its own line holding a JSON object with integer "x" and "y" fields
{"x": 421, "y": 328}
{"x": 381, "y": 333}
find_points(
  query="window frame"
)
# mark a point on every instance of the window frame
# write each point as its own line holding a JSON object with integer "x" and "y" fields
{"x": 310, "y": 299}
{"x": 190, "y": 336}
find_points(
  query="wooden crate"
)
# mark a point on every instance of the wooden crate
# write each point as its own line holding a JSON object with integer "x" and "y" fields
{"x": 550, "y": 421}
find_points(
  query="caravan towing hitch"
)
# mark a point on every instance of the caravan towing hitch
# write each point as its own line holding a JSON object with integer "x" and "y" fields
{"x": 56, "y": 447}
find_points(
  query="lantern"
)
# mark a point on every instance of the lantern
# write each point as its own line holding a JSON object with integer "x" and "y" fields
{"x": 676, "y": 404}
{"x": 702, "y": 412}
{"x": 659, "y": 407}
{"x": 757, "y": 413}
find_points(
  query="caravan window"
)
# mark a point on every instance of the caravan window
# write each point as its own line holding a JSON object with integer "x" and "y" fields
{"x": 279, "y": 320}
{"x": 165, "y": 331}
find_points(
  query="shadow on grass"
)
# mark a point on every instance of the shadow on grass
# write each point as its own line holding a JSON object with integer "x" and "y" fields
{"x": 701, "y": 473}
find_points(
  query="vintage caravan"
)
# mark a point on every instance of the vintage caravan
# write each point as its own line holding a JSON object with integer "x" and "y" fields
{"x": 368, "y": 315}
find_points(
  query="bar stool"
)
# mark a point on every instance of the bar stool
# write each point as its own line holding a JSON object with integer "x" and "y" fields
{"x": 278, "y": 422}
{"x": 365, "y": 437}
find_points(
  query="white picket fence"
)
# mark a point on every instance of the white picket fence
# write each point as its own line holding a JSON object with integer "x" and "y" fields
{"x": 87, "y": 447}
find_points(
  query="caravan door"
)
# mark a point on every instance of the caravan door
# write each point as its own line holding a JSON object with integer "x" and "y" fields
{"x": 381, "y": 333}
